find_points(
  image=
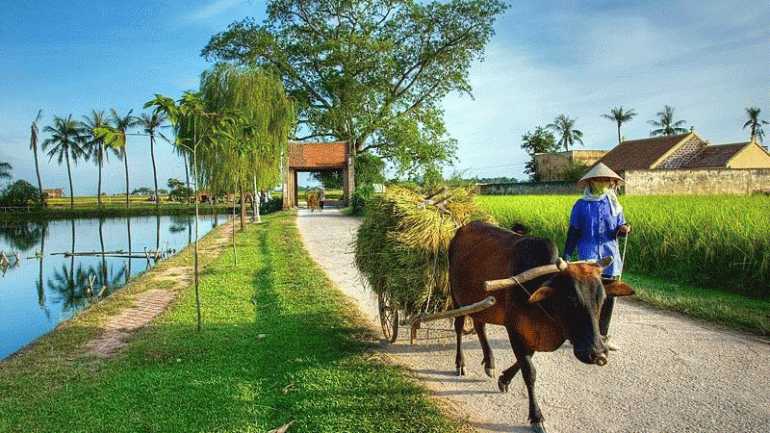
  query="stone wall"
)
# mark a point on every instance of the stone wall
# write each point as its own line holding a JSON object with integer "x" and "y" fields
{"x": 697, "y": 181}
{"x": 527, "y": 188}
{"x": 552, "y": 166}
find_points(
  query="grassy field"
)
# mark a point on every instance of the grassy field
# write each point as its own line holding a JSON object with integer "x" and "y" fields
{"x": 696, "y": 255}
{"x": 118, "y": 200}
{"x": 721, "y": 242}
{"x": 279, "y": 344}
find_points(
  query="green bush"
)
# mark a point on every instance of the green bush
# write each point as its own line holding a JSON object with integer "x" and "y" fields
{"x": 360, "y": 196}
{"x": 20, "y": 193}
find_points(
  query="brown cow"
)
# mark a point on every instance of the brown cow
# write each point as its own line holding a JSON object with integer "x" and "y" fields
{"x": 563, "y": 305}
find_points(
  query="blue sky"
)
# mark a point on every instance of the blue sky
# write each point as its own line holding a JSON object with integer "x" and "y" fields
{"x": 708, "y": 59}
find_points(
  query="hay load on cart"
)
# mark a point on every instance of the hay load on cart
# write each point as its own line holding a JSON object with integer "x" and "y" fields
{"x": 402, "y": 251}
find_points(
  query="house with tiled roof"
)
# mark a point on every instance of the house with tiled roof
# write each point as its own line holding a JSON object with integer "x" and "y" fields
{"x": 687, "y": 164}
{"x": 685, "y": 151}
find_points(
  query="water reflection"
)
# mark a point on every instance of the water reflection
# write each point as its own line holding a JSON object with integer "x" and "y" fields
{"x": 65, "y": 265}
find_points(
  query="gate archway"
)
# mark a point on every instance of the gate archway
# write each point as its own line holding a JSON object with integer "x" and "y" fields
{"x": 314, "y": 157}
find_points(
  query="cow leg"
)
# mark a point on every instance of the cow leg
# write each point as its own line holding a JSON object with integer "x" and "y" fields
{"x": 489, "y": 360}
{"x": 505, "y": 379}
{"x": 524, "y": 360}
{"x": 459, "y": 358}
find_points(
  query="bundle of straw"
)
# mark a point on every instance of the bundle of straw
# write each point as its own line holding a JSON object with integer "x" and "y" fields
{"x": 402, "y": 245}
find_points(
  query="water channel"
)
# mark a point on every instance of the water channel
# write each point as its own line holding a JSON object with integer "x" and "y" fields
{"x": 41, "y": 286}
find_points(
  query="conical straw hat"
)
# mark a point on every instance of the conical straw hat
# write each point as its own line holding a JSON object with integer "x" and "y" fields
{"x": 599, "y": 171}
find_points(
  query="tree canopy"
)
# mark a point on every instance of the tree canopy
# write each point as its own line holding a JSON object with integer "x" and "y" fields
{"x": 541, "y": 140}
{"x": 371, "y": 72}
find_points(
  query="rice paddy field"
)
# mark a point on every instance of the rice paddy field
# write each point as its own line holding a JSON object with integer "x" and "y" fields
{"x": 721, "y": 242}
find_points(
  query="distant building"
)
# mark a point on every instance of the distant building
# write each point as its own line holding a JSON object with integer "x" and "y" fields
{"x": 54, "y": 193}
{"x": 687, "y": 164}
{"x": 684, "y": 151}
{"x": 552, "y": 167}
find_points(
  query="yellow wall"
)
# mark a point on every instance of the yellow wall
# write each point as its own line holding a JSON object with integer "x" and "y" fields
{"x": 751, "y": 157}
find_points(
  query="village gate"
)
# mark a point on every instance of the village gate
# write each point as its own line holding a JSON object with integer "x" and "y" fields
{"x": 315, "y": 157}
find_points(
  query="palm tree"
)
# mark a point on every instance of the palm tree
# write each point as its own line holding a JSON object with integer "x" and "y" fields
{"x": 152, "y": 123}
{"x": 94, "y": 144}
{"x": 166, "y": 105}
{"x": 65, "y": 144}
{"x": 620, "y": 116}
{"x": 5, "y": 170}
{"x": 564, "y": 127}
{"x": 666, "y": 125}
{"x": 117, "y": 141}
{"x": 34, "y": 132}
{"x": 755, "y": 124}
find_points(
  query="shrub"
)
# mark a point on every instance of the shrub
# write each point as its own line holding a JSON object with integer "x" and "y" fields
{"x": 360, "y": 196}
{"x": 20, "y": 193}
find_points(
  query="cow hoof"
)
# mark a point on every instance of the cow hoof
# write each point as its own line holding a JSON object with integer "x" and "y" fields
{"x": 490, "y": 372}
{"x": 539, "y": 427}
{"x": 461, "y": 371}
{"x": 502, "y": 386}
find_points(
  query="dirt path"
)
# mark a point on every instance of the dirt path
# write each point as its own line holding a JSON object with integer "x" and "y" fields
{"x": 672, "y": 374}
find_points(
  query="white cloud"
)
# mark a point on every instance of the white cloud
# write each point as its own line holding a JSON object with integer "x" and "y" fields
{"x": 708, "y": 63}
{"x": 212, "y": 9}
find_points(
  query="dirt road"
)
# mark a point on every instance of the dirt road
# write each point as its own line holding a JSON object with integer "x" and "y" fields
{"x": 672, "y": 374}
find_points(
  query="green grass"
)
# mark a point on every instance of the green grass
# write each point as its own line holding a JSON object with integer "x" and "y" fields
{"x": 707, "y": 257}
{"x": 278, "y": 344}
{"x": 720, "y": 242}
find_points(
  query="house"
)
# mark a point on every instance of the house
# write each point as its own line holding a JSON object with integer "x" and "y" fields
{"x": 688, "y": 164}
{"x": 53, "y": 193}
{"x": 684, "y": 151}
{"x": 554, "y": 166}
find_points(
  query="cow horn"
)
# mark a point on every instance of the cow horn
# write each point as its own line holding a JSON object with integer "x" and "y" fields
{"x": 528, "y": 275}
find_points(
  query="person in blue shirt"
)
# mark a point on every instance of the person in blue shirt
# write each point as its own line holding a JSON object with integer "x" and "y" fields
{"x": 596, "y": 223}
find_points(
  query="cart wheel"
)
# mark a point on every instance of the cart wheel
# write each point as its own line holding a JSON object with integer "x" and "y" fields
{"x": 388, "y": 318}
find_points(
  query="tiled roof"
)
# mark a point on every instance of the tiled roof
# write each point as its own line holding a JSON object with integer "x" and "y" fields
{"x": 317, "y": 155}
{"x": 640, "y": 154}
{"x": 715, "y": 156}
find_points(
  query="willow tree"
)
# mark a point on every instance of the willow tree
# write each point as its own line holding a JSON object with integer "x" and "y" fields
{"x": 259, "y": 119}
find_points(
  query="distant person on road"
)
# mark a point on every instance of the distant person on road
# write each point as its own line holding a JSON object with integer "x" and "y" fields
{"x": 596, "y": 223}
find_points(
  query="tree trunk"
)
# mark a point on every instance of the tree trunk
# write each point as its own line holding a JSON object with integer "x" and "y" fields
{"x": 99, "y": 182}
{"x": 69, "y": 175}
{"x": 235, "y": 251}
{"x": 187, "y": 177}
{"x": 37, "y": 171}
{"x": 243, "y": 206}
{"x": 619, "y": 140}
{"x": 125, "y": 163}
{"x": 255, "y": 202}
{"x": 128, "y": 230}
{"x": 154, "y": 171}
{"x": 195, "y": 244}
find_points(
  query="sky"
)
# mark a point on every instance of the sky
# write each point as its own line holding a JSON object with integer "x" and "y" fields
{"x": 708, "y": 59}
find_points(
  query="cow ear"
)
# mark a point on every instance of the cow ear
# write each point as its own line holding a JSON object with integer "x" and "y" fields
{"x": 617, "y": 288}
{"x": 542, "y": 293}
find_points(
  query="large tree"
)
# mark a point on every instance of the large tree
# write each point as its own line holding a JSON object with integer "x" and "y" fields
{"x": 541, "y": 140}
{"x": 93, "y": 145}
{"x": 116, "y": 139}
{"x": 564, "y": 128}
{"x": 66, "y": 144}
{"x": 620, "y": 115}
{"x": 755, "y": 123}
{"x": 666, "y": 125}
{"x": 371, "y": 72}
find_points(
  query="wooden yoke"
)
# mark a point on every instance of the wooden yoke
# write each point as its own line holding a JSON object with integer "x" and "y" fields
{"x": 528, "y": 275}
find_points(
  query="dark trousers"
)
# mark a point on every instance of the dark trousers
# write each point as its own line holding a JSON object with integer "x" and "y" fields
{"x": 605, "y": 316}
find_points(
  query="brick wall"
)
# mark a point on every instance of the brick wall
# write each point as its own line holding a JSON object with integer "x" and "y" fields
{"x": 697, "y": 182}
{"x": 318, "y": 155}
{"x": 527, "y": 188}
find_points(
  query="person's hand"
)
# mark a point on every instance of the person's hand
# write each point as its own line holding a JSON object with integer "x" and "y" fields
{"x": 624, "y": 230}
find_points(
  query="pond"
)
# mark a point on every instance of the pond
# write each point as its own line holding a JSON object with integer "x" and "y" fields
{"x": 42, "y": 284}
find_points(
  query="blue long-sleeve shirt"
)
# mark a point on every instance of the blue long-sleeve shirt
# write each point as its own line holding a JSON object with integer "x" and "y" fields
{"x": 593, "y": 233}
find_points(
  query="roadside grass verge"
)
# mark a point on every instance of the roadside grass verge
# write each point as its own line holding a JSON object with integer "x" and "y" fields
{"x": 725, "y": 308}
{"x": 278, "y": 344}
